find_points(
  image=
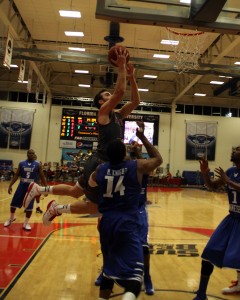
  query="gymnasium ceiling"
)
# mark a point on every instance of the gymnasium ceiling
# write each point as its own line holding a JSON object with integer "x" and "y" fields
{"x": 38, "y": 32}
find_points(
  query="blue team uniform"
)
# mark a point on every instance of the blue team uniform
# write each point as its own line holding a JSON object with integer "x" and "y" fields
{"x": 143, "y": 213}
{"x": 223, "y": 248}
{"x": 119, "y": 191}
{"x": 28, "y": 173}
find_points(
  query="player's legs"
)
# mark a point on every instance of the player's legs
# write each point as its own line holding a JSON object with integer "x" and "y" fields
{"x": 35, "y": 190}
{"x": 17, "y": 202}
{"x": 106, "y": 287}
{"x": 132, "y": 288}
{"x": 78, "y": 207}
{"x": 11, "y": 218}
{"x": 206, "y": 271}
{"x": 67, "y": 190}
{"x": 38, "y": 209}
{"x": 149, "y": 290}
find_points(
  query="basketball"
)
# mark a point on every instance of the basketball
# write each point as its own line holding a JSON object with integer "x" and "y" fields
{"x": 112, "y": 53}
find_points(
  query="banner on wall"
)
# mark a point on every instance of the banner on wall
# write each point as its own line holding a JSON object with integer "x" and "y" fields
{"x": 15, "y": 128}
{"x": 37, "y": 90}
{"x": 30, "y": 75}
{"x": 22, "y": 70}
{"x": 201, "y": 140}
{"x": 8, "y": 51}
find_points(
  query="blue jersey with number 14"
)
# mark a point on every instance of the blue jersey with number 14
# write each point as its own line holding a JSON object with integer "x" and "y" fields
{"x": 119, "y": 187}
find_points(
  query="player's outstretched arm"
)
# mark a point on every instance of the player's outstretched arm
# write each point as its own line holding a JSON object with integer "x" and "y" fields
{"x": 146, "y": 166}
{"x": 127, "y": 108}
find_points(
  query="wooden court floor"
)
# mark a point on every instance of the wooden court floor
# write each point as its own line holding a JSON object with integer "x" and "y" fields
{"x": 62, "y": 261}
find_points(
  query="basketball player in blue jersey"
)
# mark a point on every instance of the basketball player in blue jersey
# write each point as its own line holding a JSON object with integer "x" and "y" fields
{"x": 135, "y": 153}
{"x": 120, "y": 184}
{"x": 223, "y": 248}
{"x": 110, "y": 127}
{"x": 28, "y": 170}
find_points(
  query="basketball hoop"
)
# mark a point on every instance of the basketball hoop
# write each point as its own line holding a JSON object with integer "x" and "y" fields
{"x": 187, "y": 48}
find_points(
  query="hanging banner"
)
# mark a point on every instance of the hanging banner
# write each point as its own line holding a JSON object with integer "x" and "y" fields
{"x": 15, "y": 128}
{"x": 22, "y": 70}
{"x": 8, "y": 51}
{"x": 44, "y": 96}
{"x": 37, "y": 90}
{"x": 201, "y": 140}
{"x": 29, "y": 84}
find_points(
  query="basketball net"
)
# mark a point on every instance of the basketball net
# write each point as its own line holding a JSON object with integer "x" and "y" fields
{"x": 188, "y": 50}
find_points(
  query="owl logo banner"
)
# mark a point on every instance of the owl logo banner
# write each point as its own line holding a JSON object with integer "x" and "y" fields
{"x": 201, "y": 140}
{"x": 15, "y": 128}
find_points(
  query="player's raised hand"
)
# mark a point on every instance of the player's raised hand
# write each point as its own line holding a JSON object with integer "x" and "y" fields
{"x": 204, "y": 165}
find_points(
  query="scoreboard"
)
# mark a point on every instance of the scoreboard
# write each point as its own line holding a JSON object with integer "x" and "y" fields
{"x": 79, "y": 125}
{"x": 79, "y": 128}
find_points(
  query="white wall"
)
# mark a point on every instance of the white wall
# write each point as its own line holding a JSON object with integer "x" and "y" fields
{"x": 172, "y": 135}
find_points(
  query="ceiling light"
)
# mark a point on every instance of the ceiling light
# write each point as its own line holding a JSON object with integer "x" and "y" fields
{"x": 85, "y": 85}
{"x": 70, "y": 13}
{"x": 161, "y": 55}
{"x": 74, "y": 33}
{"x": 225, "y": 76}
{"x": 24, "y": 81}
{"x": 143, "y": 90}
{"x": 13, "y": 66}
{"x": 169, "y": 42}
{"x": 150, "y": 76}
{"x": 200, "y": 94}
{"x": 216, "y": 82}
{"x": 185, "y": 1}
{"x": 76, "y": 49}
{"x": 82, "y": 71}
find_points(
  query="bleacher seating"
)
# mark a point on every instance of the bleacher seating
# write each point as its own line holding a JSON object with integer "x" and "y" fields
{"x": 194, "y": 177}
{"x": 6, "y": 169}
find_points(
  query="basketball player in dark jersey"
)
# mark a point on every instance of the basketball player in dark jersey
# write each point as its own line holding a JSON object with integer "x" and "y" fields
{"x": 109, "y": 122}
{"x": 29, "y": 171}
{"x": 223, "y": 247}
{"x": 120, "y": 184}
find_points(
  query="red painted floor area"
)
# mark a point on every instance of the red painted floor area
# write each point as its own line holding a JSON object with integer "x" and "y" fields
{"x": 18, "y": 245}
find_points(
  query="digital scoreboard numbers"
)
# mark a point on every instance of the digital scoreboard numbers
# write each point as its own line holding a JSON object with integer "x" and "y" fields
{"x": 79, "y": 125}
{"x": 87, "y": 126}
{"x": 68, "y": 128}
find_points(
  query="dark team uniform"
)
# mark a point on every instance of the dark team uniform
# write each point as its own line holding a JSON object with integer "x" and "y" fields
{"x": 106, "y": 133}
{"x": 28, "y": 173}
{"x": 223, "y": 248}
{"x": 119, "y": 191}
{"x": 109, "y": 132}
